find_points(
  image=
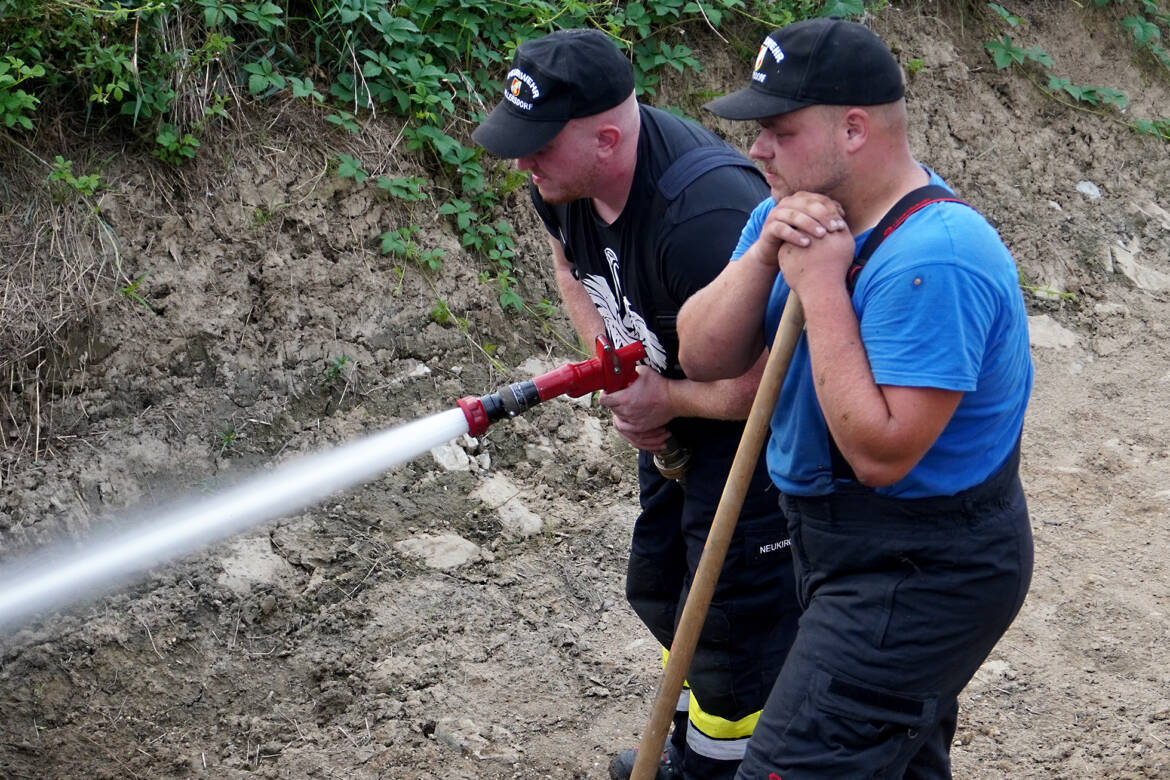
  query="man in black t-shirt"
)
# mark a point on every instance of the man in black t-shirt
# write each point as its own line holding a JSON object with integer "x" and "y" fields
{"x": 643, "y": 209}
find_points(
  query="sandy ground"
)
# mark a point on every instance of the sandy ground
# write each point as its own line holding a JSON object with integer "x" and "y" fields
{"x": 462, "y": 616}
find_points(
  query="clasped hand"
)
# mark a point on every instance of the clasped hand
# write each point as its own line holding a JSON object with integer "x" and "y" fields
{"x": 806, "y": 234}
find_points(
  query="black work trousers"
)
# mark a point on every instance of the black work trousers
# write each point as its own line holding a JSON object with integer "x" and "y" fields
{"x": 752, "y": 619}
{"x": 904, "y": 599}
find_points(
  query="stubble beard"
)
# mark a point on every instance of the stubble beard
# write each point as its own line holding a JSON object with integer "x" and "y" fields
{"x": 583, "y": 185}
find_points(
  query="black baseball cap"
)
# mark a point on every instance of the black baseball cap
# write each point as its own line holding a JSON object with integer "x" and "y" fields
{"x": 815, "y": 62}
{"x": 565, "y": 75}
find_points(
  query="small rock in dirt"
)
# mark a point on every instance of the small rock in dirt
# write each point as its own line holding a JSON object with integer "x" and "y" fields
{"x": 451, "y": 457}
{"x": 247, "y": 562}
{"x": 444, "y": 551}
{"x": 1089, "y": 189}
{"x": 502, "y": 495}
{"x": 996, "y": 670}
{"x": 1044, "y": 331}
{"x": 1110, "y": 309}
{"x": 1142, "y": 277}
{"x": 1154, "y": 211}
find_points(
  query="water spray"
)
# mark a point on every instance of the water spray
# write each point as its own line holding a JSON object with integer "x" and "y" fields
{"x": 54, "y": 579}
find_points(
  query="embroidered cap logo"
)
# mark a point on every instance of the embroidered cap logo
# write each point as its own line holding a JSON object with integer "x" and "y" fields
{"x": 767, "y": 46}
{"x": 514, "y": 83}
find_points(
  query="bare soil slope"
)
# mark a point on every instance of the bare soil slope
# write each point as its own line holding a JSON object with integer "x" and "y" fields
{"x": 360, "y": 638}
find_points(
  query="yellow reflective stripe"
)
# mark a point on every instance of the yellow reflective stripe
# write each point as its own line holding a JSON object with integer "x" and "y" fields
{"x": 720, "y": 728}
{"x": 682, "y": 705}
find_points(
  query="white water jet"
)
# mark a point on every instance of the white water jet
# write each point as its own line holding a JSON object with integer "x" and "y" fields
{"x": 33, "y": 586}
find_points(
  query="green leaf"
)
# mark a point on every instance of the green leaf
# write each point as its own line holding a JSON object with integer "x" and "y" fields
{"x": 1036, "y": 54}
{"x": 1006, "y": 15}
{"x": 843, "y": 8}
{"x": 1144, "y": 31}
{"x": 1113, "y": 97}
{"x": 1004, "y": 52}
{"x": 509, "y": 299}
{"x": 350, "y": 168}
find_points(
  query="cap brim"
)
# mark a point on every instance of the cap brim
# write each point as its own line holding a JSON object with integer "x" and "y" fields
{"x": 750, "y": 103}
{"x": 507, "y": 135}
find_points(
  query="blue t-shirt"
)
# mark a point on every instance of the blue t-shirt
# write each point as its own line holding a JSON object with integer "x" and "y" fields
{"x": 939, "y": 305}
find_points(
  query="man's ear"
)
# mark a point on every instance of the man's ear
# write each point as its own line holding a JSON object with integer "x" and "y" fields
{"x": 855, "y": 125}
{"x": 609, "y": 138}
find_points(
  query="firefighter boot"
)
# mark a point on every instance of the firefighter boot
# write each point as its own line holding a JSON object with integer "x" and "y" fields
{"x": 669, "y": 767}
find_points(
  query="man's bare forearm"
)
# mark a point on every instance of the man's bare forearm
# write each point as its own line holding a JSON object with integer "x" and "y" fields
{"x": 574, "y": 297}
{"x": 720, "y": 327}
{"x": 722, "y": 399}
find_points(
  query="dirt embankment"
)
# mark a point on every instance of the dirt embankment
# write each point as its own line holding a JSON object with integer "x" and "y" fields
{"x": 463, "y": 616}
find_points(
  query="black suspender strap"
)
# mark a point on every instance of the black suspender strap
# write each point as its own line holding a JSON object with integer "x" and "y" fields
{"x": 907, "y": 205}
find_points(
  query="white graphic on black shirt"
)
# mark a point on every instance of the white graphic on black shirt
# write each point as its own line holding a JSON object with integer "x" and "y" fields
{"x": 622, "y": 323}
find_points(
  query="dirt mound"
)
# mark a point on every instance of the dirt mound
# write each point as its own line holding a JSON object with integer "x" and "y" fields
{"x": 462, "y": 616}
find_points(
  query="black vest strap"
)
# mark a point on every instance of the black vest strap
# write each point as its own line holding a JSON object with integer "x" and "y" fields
{"x": 907, "y": 205}
{"x": 692, "y": 164}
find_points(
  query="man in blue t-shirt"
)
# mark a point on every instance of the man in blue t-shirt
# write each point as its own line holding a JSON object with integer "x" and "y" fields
{"x": 895, "y": 440}
{"x": 643, "y": 209}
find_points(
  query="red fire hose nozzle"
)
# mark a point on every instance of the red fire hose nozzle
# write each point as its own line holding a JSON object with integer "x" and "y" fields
{"x": 611, "y": 369}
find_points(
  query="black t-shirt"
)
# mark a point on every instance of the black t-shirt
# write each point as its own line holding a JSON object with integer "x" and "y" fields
{"x": 639, "y": 270}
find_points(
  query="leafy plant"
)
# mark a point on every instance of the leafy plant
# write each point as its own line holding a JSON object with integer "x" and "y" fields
{"x": 15, "y": 104}
{"x": 303, "y": 88}
{"x": 216, "y": 12}
{"x": 1006, "y": 54}
{"x": 264, "y": 15}
{"x": 400, "y": 243}
{"x": 1007, "y": 16}
{"x": 843, "y": 8}
{"x": 263, "y": 77}
{"x": 404, "y": 188}
{"x": 63, "y": 172}
{"x": 1094, "y": 96}
{"x": 131, "y": 291}
{"x": 441, "y": 314}
{"x": 1155, "y": 127}
{"x": 336, "y": 368}
{"x": 424, "y": 61}
{"x": 345, "y": 121}
{"x": 173, "y": 146}
{"x": 227, "y": 439}
{"x": 261, "y": 215}
{"x": 350, "y": 168}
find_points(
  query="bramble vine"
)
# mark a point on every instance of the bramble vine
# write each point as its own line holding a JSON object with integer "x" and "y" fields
{"x": 1145, "y": 27}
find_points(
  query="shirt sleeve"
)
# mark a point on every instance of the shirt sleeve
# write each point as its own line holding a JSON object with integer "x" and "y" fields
{"x": 695, "y": 251}
{"x": 927, "y": 325}
{"x": 751, "y": 230}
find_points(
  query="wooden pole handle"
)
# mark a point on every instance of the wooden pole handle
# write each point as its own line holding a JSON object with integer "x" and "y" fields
{"x": 686, "y": 636}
